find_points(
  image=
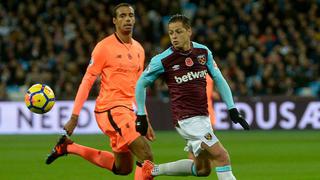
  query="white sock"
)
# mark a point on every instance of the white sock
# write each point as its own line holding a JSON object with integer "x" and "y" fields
{"x": 182, "y": 167}
{"x": 225, "y": 173}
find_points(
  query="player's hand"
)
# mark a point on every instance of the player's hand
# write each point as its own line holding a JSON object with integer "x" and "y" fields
{"x": 71, "y": 124}
{"x": 237, "y": 118}
{"x": 151, "y": 136}
{"x": 142, "y": 124}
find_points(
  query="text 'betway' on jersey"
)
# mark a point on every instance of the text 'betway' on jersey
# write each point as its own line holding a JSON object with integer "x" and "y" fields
{"x": 190, "y": 76}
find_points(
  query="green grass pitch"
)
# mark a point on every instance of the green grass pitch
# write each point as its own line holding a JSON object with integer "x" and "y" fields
{"x": 255, "y": 155}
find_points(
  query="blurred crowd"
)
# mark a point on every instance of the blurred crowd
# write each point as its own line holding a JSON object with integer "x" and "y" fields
{"x": 269, "y": 47}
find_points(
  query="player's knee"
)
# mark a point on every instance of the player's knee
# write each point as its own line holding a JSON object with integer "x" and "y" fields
{"x": 148, "y": 155}
{"x": 145, "y": 155}
{"x": 203, "y": 172}
{"x": 141, "y": 149}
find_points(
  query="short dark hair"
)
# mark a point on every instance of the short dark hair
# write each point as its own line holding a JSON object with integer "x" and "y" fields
{"x": 180, "y": 18}
{"x": 114, "y": 11}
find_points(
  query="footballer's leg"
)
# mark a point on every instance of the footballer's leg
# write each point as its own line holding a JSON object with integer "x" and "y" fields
{"x": 104, "y": 159}
{"x": 203, "y": 164}
{"x": 221, "y": 159}
{"x": 119, "y": 163}
{"x": 200, "y": 166}
{"x": 126, "y": 138}
{"x": 100, "y": 158}
{"x": 66, "y": 146}
{"x": 130, "y": 138}
{"x": 60, "y": 149}
{"x": 123, "y": 163}
{"x": 142, "y": 150}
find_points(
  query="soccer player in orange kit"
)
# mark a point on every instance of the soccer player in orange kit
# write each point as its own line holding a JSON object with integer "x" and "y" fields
{"x": 119, "y": 61}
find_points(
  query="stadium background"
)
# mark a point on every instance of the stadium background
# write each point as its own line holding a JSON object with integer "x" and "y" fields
{"x": 266, "y": 50}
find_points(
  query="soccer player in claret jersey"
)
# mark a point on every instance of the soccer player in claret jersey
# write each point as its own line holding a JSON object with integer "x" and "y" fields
{"x": 184, "y": 66}
{"x": 119, "y": 61}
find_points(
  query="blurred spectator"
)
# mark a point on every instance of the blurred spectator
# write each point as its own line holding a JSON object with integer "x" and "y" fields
{"x": 3, "y": 94}
{"x": 267, "y": 47}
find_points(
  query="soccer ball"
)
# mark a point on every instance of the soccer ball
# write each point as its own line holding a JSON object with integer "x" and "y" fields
{"x": 39, "y": 98}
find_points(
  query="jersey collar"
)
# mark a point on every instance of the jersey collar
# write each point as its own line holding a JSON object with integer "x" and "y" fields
{"x": 183, "y": 52}
{"x": 120, "y": 41}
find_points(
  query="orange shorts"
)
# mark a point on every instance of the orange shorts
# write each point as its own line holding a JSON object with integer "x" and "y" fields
{"x": 119, "y": 124}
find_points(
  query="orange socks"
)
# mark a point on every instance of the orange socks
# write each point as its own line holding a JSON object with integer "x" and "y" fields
{"x": 103, "y": 159}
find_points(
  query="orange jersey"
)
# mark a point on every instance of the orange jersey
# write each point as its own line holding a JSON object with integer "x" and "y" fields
{"x": 210, "y": 97}
{"x": 119, "y": 66}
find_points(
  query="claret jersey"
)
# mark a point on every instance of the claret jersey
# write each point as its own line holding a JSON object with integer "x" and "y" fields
{"x": 185, "y": 74}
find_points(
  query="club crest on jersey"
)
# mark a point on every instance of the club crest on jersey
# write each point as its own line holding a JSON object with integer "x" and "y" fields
{"x": 208, "y": 136}
{"x": 202, "y": 59}
{"x": 188, "y": 62}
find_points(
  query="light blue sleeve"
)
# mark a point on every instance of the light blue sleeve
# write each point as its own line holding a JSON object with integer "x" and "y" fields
{"x": 150, "y": 74}
{"x": 220, "y": 82}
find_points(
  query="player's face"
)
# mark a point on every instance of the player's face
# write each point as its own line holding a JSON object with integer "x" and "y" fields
{"x": 179, "y": 36}
{"x": 124, "y": 20}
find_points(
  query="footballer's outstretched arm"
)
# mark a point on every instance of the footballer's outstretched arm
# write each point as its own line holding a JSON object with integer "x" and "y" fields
{"x": 140, "y": 93}
{"x": 225, "y": 92}
{"x": 150, "y": 74}
{"x": 81, "y": 97}
{"x": 83, "y": 92}
{"x": 94, "y": 69}
{"x": 221, "y": 83}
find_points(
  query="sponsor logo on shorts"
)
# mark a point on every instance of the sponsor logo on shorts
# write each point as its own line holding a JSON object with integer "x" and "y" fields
{"x": 208, "y": 136}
